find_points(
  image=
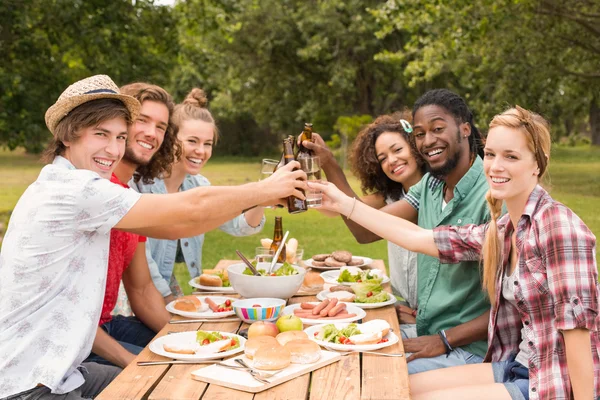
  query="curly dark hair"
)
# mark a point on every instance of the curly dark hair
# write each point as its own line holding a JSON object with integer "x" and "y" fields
{"x": 455, "y": 105}
{"x": 170, "y": 150}
{"x": 363, "y": 157}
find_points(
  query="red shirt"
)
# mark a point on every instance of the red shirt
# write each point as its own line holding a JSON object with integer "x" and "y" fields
{"x": 122, "y": 248}
{"x": 556, "y": 289}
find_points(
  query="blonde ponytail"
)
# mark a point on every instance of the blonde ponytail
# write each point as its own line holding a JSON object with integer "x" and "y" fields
{"x": 492, "y": 248}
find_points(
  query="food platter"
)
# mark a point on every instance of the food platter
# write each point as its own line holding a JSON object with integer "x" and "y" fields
{"x": 366, "y": 262}
{"x": 223, "y": 289}
{"x": 350, "y": 308}
{"x": 208, "y": 314}
{"x": 391, "y": 300}
{"x": 391, "y": 337}
{"x": 156, "y": 346}
{"x": 331, "y": 277}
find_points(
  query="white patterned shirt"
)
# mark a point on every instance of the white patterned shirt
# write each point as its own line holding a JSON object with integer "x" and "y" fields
{"x": 52, "y": 276}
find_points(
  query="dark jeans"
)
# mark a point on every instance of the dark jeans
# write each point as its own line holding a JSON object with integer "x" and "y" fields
{"x": 96, "y": 376}
{"x": 130, "y": 332}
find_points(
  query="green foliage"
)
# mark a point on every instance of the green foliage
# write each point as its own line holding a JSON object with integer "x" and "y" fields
{"x": 49, "y": 44}
{"x": 349, "y": 127}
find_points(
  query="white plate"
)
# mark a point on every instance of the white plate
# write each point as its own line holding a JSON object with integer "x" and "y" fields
{"x": 204, "y": 314}
{"x": 331, "y": 277}
{"x": 367, "y": 261}
{"x": 194, "y": 283}
{"x": 391, "y": 300}
{"x": 350, "y": 308}
{"x": 391, "y": 337}
{"x": 156, "y": 346}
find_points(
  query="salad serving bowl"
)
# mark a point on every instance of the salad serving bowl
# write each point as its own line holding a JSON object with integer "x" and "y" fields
{"x": 280, "y": 287}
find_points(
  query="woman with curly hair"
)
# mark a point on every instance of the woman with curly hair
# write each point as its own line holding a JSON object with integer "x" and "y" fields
{"x": 387, "y": 164}
{"x": 197, "y": 133}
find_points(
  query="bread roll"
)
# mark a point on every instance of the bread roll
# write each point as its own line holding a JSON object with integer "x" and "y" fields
{"x": 266, "y": 242}
{"x": 288, "y": 336}
{"x": 290, "y": 250}
{"x": 312, "y": 282}
{"x": 185, "y": 305}
{"x": 210, "y": 280}
{"x": 272, "y": 358}
{"x": 303, "y": 351}
{"x": 253, "y": 344}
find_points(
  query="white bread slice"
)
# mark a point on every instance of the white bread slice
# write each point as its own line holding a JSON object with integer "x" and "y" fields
{"x": 366, "y": 338}
{"x": 374, "y": 326}
{"x": 342, "y": 296}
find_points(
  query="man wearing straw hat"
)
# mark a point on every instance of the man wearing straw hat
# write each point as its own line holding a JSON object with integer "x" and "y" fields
{"x": 54, "y": 257}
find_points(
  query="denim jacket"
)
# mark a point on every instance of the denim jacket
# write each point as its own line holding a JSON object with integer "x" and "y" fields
{"x": 161, "y": 252}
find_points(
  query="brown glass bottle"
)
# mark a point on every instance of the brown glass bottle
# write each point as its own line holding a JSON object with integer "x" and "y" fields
{"x": 306, "y": 134}
{"x": 295, "y": 205}
{"x": 277, "y": 239}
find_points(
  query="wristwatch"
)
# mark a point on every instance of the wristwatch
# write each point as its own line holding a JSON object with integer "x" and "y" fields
{"x": 449, "y": 348}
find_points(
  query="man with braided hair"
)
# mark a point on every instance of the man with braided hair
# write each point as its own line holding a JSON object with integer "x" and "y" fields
{"x": 452, "y": 311}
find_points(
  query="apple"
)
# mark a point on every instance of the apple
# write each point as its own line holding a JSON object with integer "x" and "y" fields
{"x": 289, "y": 323}
{"x": 262, "y": 328}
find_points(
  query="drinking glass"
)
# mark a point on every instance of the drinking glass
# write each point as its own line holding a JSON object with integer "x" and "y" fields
{"x": 263, "y": 254}
{"x": 267, "y": 168}
{"x": 312, "y": 167}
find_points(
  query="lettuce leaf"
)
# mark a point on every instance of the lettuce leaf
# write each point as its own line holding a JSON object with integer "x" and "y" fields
{"x": 376, "y": 298}
{"x": 346, "y": 276}
{"x": 329, "y": 333}
{"x": 211, "y": 336}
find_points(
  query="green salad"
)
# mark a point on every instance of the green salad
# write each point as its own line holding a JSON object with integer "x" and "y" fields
{"x": 363, "y": 277}
{"x": 285, "y": 269}
{"x": 331, "y": 334}
{"x": 369, "y": 292}
{"x": 205, "y": 337}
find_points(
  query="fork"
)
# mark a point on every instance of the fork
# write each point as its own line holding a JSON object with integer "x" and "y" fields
{"x": 261, "y": 374}
{"x": 346, "y": 353}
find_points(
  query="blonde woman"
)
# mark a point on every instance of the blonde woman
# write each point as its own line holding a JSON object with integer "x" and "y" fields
{"x": 539, "y": 271}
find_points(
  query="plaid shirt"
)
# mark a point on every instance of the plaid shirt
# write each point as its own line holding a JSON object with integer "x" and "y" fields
{"x": 556, "y": 289}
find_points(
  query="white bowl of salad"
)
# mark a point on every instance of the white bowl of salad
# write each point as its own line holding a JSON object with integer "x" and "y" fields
{"x": 282, "y": 283}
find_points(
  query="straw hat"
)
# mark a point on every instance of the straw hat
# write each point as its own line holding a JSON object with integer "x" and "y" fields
{"x": 92, "y": 88}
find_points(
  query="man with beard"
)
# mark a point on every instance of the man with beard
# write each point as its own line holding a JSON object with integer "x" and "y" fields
{"x": 452, "y": 314}
{"x": 149, "y": 152}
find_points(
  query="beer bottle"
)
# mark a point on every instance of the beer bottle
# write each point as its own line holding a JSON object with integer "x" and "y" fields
{"x": 277, "y": 239}
{"x": 303, "y": 152}
{"x": 295, "y": 205}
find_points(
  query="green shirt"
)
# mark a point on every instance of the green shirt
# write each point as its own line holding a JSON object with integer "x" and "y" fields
{"x": 451, "y": 294}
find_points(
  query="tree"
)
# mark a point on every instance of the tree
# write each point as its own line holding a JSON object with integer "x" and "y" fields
{"x": 51, "y": 43}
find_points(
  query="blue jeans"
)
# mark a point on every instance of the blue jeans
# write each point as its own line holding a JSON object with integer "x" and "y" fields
{"x": 130, "y": 332}
{"x": 458, "y": 356}
{"x": 514, "y": 376}
{"x": 97, "y": 377}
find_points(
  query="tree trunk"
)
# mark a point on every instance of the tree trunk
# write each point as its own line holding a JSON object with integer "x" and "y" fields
{"x": 595, "y": 121}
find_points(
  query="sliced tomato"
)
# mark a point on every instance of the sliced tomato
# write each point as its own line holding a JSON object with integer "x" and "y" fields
{"x": 369, "y": 294}
{"x": 227, "y": 302}
{"x": 205, "y": 342}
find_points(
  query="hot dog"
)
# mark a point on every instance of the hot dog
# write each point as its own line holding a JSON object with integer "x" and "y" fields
{"x": 329, "y": 306}
{"x": 339, "y": 316}
{"x": 307, "y": 306}
{"x": 317, "y": 310}
{"x": 339, "y": 307}
{"x": 213, "y": 306}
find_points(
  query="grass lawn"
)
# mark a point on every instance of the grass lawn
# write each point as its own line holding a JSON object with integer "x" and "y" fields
{"x": 574, "y": 179}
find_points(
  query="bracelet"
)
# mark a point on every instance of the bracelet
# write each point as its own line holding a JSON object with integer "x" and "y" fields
{"x": 449, "y": 348}
{"x": 352, "y": 210}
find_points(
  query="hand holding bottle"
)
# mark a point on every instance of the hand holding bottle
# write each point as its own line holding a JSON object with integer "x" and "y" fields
{"x": 319, "y": 148}
{"x": 283, "y": 183}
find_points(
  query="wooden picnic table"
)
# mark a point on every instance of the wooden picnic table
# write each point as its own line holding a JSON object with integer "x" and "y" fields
{"x": 356, "y": 376}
